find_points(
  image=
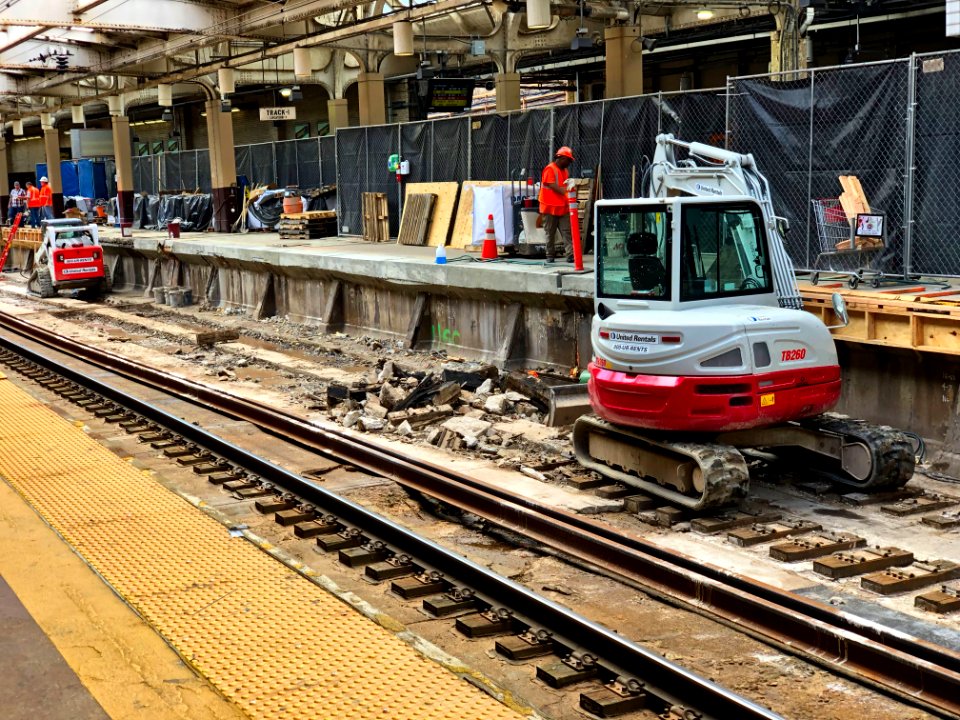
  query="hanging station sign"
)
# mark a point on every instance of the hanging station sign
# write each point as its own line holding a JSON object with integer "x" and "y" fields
{"x": 278, "y": 113}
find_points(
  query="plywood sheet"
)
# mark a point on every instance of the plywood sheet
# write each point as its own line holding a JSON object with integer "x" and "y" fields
{"x": 443, "y": 208}
{"x": 463, "y": 226}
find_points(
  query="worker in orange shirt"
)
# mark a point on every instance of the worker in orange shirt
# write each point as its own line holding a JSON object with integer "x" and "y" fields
{"x": 33, "y": 204}
{"x": 46, "y": 199}
{"x": 555, "y": 182}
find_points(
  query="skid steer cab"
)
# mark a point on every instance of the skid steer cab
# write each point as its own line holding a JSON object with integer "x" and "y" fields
{"x": 70, "y": 257}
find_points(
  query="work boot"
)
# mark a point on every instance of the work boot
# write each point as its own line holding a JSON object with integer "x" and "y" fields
{"x": 550, "y": 259}
{"x": 569, "y": 258}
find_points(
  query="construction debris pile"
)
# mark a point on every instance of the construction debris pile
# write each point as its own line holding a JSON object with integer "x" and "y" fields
{"x": 461, "y": 407}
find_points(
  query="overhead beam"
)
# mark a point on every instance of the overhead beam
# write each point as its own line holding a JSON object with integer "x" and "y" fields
{"x": 171, "y": 47}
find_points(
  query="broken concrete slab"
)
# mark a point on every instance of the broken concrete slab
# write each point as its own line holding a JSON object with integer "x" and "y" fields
{"x": 467, "y": 426}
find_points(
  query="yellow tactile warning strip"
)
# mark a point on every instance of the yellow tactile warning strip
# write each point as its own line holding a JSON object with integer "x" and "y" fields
{"x": 264, "y": 636}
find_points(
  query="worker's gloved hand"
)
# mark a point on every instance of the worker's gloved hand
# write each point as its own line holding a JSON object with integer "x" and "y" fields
{"x": 571, "y": 184}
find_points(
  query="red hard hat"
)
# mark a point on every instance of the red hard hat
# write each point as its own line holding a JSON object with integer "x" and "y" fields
{"x": 565, "y": 152}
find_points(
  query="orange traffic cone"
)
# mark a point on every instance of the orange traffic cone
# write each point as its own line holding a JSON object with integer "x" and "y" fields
{"x": 490, "y": 241}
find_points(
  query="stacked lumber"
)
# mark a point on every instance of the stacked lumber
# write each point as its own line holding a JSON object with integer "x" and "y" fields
{"x": 586, "y": 188}
{"x": 443, "y": 208}
{"x": 854, "y": 202}
{"x": 311, "y": 225}
{"x": 415, "y": 222}
{"x": 376, "y": 220}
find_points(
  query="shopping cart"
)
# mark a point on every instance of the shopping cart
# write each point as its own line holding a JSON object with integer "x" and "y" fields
{"x": 844, "y": 254}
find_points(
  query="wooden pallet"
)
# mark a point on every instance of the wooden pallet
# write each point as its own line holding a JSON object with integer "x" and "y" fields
{"x": 417, "y": 213}
{"x": 443, "y": 209}
{"x": 308, "y": 229}
{"x": 928, "y": 322}
{"x": 376, "y": 218}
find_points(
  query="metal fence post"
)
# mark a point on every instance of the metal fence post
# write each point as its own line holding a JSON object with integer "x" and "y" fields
{"x": 470, "y": 150}
{"x": 810, "y": 167}
{"x": 909, "y": 165}
{"x": 400, "y": 157}
{"x": 659, "y": 111}
{"x": 726, "y": 116}
{"x": 599, "y": 179}
{"x": 509, "y": 128}
{"x": 553, "y": 130}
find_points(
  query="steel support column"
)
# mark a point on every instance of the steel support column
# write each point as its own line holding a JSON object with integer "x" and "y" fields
{"x": 51, "y": 144}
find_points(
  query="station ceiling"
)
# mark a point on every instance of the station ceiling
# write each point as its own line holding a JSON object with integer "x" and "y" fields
{"x": 56, "y": 53}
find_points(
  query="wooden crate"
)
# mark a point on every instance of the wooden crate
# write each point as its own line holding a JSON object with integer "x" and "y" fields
{"x": 376, "y": 218}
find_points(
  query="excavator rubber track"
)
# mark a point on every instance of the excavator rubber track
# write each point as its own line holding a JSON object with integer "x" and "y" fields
{"x": 894, "y": 459}
{"x": 703, "y": 475}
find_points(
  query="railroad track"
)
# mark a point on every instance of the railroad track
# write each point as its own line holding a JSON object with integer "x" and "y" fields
{"x": 917, "y": 671}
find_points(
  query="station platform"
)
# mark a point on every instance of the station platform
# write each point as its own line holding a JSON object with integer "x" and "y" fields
{"x": 122, "y": 600}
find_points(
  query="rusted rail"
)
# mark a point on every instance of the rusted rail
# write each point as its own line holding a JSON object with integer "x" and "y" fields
{"x": 913, "y": 669}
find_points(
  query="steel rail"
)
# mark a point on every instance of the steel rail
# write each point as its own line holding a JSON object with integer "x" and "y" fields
{"x": 671, "y": 683}
{"x": 924, "y": 673}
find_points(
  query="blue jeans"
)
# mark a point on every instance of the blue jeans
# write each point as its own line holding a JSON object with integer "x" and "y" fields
{"x": 12, "y": 212}
{"x": 35, "y": 217}
{"x": 46, "y": 212}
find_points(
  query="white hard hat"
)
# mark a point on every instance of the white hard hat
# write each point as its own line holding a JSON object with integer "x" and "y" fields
{"x": 43, "y": 179}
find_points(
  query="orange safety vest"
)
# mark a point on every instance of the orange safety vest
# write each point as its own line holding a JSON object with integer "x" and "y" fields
{"x": 552, "y": 202}
{"x": 46, "y": 196}
{"x": 33, "y": 197}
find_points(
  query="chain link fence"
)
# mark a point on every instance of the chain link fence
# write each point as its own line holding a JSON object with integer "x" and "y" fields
{"x": 891, "y": 124}
{"x": 806, "y": 133}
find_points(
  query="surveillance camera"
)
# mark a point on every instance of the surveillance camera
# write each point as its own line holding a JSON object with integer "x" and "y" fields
{"x": 167, "y": 115}
{"x": 225, "y": 106}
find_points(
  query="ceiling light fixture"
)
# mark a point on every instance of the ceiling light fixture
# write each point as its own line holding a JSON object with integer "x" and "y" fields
{"x": 704, "y": 14}
{"x": 286, "y": 92}
{"x": 81, "y": 28}
{"x": 403, "y": 38}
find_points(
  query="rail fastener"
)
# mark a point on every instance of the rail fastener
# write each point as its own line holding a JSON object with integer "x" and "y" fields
{"x": 914, "y": 577}
{"x": 814, "y": 546}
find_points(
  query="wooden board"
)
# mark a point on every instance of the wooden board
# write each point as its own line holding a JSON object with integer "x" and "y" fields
{"x": 309, "y": 215}
{"x": 415, "y": 222}
{"x": 443, "y": 209}
{"x": 376, "y": 220}
{"x": 463, "y": 226}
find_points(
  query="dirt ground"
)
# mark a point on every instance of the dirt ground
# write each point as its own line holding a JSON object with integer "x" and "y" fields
{"x": 291, "y": 366}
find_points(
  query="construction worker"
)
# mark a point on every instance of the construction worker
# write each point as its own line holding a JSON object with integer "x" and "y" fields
{"x": 46, "y": 199}
{"x": 33, "y": 204}
{"x": 18, "y": 202}
{"x": 555, "y": 182}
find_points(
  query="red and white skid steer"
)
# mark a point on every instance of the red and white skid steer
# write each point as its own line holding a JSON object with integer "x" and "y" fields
{"x": 70, "y": 257}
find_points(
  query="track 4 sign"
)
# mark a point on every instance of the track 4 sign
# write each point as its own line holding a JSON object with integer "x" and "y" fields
{"x": 278, "y": 113}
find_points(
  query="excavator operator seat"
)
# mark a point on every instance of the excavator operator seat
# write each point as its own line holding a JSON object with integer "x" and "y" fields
{"x": 646, "y": 269}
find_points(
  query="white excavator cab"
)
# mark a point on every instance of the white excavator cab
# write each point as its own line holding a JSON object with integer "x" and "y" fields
{"x": 669, "y": 253}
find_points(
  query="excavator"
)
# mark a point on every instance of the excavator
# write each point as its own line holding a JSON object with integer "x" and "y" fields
{"x": 702, "y": 354}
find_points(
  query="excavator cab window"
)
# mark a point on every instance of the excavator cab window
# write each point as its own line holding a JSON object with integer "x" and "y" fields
{"x": 723, "y": 252}
{"x": 633, "y": 258}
